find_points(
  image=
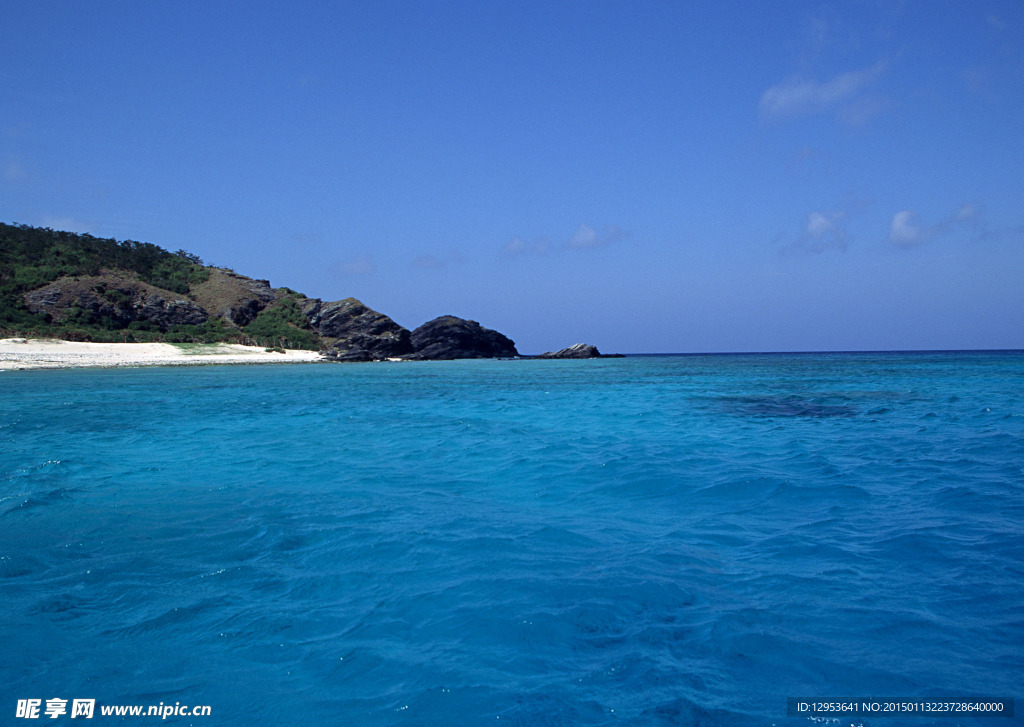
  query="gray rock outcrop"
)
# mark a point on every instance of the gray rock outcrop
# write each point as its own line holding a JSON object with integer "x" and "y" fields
{"x": 359, "y": 332}
{"x": 450, "y": 337}
{"x": 115, "y": 300}
{"x": 239, "y": 299}
{"x": 577, "y": 350}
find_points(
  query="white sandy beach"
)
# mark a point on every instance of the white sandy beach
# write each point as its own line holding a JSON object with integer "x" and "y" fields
{"x": 21, "y": 353}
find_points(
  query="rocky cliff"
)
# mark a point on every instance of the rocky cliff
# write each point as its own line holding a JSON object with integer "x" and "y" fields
{"x": 359, "y": 333}
{"x": 449, "y": 337}
{"x": 114, "y": 300}
{"x": 234, "y": 297}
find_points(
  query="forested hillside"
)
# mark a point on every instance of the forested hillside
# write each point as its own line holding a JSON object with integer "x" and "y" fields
{"x": 80, "y": 287}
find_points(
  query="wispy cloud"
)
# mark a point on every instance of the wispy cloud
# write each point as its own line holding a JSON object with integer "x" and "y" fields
{"x": 995, "y": 22}
{"x": 906, "y": 229}
{"x": 584, "y": 237}
{"x": 518, "y": 246}
{"x": 827, "y": 230}
{"x": 801, "y": 97}
{"x": 977, "y": 79}
{"x": 430, "y": 261}
{"x": 587, "y": 237}
{"x": 358, "y": 265}
{"x": 862, "y": 109}
{"x": 14, "y": 172}
{"x": 822, "y": 231}
{"x": 304, "y": 239}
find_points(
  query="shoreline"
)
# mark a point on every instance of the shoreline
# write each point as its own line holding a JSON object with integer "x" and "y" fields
{"x": 23, "y": 354}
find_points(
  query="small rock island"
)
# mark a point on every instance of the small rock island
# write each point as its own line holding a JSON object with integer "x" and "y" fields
{"x": 577, "y": 350}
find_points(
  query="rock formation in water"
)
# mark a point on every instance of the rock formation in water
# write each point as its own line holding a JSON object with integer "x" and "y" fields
{"x": 577, "y": 350}
{"x": 450, "y": 337}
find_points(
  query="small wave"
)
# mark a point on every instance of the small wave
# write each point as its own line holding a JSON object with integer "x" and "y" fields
{"x": 62, "y": 605}
{"x": 177, "y": 617}
{"x": 18, "y": 567}
{"x": 784, "y": 406}
{"x": 43, "y": 499}
{"x": 35, "y": 469}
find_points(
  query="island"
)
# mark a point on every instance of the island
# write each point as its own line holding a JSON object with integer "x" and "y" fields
{"x": 80, "y": 288}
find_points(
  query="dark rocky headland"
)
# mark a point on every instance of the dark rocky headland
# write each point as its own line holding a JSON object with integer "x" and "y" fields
{"x": 78, "y": 287}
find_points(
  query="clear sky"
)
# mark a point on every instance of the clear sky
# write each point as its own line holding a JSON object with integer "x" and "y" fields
{"x": 645, "y": 176}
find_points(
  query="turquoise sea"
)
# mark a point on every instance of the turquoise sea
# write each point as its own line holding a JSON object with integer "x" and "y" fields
{"x": 654, "y": 540}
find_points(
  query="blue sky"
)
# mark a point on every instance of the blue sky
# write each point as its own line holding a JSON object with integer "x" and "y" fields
{"x": 644, "y": 176}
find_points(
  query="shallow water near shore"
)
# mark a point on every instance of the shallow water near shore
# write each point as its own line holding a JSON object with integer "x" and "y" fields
{"x": 655, "y": 540}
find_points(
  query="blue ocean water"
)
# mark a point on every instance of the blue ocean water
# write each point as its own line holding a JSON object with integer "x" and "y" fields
{"x": 655, "y": 540}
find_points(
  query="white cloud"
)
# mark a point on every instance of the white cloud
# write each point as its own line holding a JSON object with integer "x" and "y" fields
{"x": 821, "y": 223}
{"x": 826, "y": 230}
{"x": 823, "y": 230}
{"x": 586, "y": 237}
{"x": 906, "y": 230}
{"x": 799, "y": 97}
{"x": 969, "y": 211}
{"x": 862, "y": 109}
